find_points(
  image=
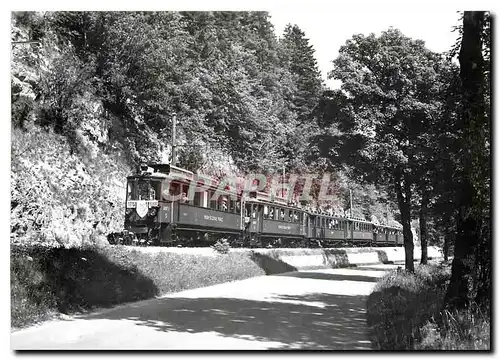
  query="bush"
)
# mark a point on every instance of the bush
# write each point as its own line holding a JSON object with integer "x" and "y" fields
{"x": 460, "y": 330}
{"x": 221, "y": 246}
{"x": 46, "y": 281}
{"x": 404, "y": 313}
{"x": 402, "y": 303}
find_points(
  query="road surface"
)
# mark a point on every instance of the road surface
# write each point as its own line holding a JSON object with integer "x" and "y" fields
{"x": 314, "y": 310}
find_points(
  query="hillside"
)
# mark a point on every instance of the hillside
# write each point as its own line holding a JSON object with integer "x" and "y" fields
{"x": 94, "y": 94}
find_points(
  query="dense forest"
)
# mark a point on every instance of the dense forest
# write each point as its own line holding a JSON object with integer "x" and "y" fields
{"x": 95, "y": 93}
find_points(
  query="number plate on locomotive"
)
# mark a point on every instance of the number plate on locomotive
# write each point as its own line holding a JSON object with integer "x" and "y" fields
{"x": 133, "y": 203}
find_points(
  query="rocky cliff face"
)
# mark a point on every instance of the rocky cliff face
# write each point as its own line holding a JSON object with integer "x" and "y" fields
{"x": 59, "y": 193}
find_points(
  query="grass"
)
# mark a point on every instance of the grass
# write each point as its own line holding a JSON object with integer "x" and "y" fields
{"x": 404, "y": 312}
{"x": 46, "y": 282}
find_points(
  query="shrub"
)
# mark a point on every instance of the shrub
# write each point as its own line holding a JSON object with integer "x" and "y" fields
{"x": 404, "y": 313}
{"x": 460, "y": 330}
{"x": 402, "y": 303}
{"x": 221, "y": 246}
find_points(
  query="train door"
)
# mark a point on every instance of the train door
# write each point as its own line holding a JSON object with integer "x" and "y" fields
{"x": 323, "y": 226}
{"x": 317, "y": 227}
{"x": 349, "y": 230}
{"x": 251, "y": 217}
{"x": 302, "y": 223}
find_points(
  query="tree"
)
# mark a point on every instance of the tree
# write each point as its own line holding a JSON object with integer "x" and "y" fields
{"x": 473, "y": 197}
{"x": 391, "y": 83}
{"x": 297, "y": 57}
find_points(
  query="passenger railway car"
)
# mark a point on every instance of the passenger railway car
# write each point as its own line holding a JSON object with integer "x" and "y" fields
{"x": 164, "y": 206}
{"x": 271, "y": 221}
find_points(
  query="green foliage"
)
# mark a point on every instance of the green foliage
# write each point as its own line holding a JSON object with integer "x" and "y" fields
{"x": 64, "y": 197}
{"x": 405, "y": 313}
{"x": 460, "y": 330}
{"x": 402, "y": 303}
{"x": 221, "y": 246}
{"x": 297, "y": 56}
{"x": 218, "y": 72}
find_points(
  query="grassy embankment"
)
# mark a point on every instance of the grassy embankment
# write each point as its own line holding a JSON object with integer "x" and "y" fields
{"x": 404, "y": 312}
{"x": 48, "y": 281}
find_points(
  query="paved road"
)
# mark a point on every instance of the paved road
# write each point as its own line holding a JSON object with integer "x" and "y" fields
{"x": 317, "y": 309}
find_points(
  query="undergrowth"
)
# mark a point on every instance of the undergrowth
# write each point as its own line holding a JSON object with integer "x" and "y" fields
{"x": 404, "y": 312}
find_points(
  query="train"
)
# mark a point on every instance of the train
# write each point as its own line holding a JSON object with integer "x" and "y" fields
{"x": 165, "y": 207}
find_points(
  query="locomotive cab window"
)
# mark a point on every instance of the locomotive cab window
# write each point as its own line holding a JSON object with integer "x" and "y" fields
{"x": 184, "y": 192}
{"x": 143, "y": 189}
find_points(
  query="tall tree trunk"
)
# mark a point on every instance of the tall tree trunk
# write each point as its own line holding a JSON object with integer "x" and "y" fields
{"x": 483, "y": 259}
{"x": 446, "y": 246}
{"x": 403, "y": 193}
{"x": 473, "y": 140}
{"x": 422, "y": 215}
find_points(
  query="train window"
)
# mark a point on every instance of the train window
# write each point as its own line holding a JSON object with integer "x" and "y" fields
{"x": 213, "y": 203}
{"x": 129, "y": 190}
{"x": 223, "y": 205}
{"x": 175, "y": 188}
{"x": 282, "y": 214}
{"x": 248, "y": 210}
{"x": 184, "y": 194}
{"x": 238, "y": 206}
{"x": 254, "y": 211}
{"x": 271, "y": 213}
{"x": 197, "y": 199}
{"x": 266, "y": 212}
